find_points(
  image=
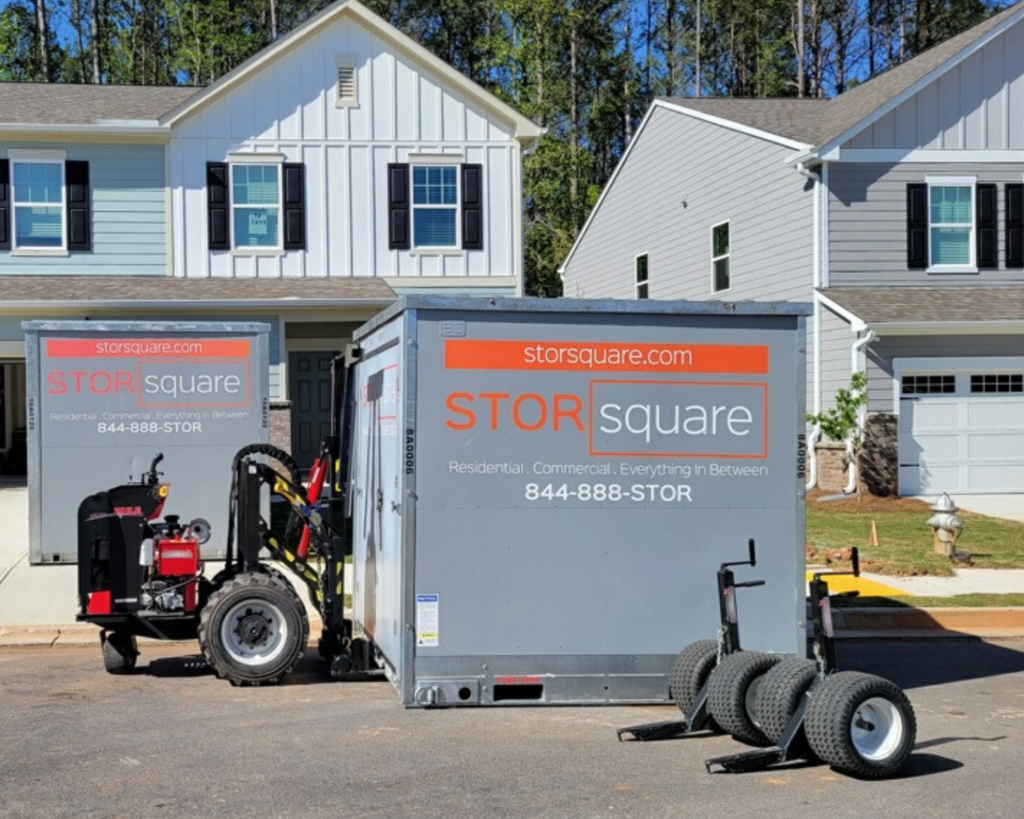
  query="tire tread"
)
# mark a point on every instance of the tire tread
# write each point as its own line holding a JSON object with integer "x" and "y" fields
{"x": 828, "y": 720}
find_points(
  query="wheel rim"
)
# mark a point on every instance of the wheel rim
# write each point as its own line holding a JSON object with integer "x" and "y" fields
{"x": 254, "y": 632}
{"x": 877, "y": 729}
{"x": 750, "y": 699}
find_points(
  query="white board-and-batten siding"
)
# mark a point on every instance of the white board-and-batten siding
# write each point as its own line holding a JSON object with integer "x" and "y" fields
{"x": 289, "y": 108}
{"x": 976, "y": 105}
{"x": 682, "y": 177}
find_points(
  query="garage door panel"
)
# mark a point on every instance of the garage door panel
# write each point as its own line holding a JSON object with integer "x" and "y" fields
{"x": 926, "y": 480}
{"x": 995, "y": 477}
{"x": 961, "y": 443}
{"x": 937, "y": 446}
{"x": 934, "y": 414}
{"x": 990, "y": 413}
{"x": 1008, "y": 446}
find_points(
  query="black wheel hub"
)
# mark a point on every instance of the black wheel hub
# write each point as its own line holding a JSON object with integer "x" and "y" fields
{"x": 253, "y": 628}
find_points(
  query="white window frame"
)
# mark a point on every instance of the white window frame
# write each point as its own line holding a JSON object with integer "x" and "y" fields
{"x": 954, "y": 182}
{"x": 646, "y": 281}
{"x": 276, "y": 160}
{"x": 39, "y": 157}
{"x": 435, "y": 160}
{"x": 714, "y": 258}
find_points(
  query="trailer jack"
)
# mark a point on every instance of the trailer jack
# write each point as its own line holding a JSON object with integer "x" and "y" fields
{"x": 696, "y": 716}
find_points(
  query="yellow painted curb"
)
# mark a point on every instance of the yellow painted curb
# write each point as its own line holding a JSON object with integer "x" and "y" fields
{"x": 867, "y": 588}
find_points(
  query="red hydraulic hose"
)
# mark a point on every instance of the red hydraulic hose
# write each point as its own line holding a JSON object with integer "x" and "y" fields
{"x": 316, "y": 486}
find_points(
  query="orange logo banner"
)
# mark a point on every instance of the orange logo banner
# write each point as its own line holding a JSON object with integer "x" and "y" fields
{"x": 147, "y": 348}
{"x": 601, "y": 356}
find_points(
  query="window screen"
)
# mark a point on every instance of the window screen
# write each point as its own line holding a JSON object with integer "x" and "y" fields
{"x": 435, "y": 199}
{"x": 255, "y": 202}
{"x": 38, "y": 204}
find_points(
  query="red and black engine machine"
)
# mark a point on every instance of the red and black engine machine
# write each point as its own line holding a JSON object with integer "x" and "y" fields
{"x": 130, "y": 561}
{"x": 141, "y": 575}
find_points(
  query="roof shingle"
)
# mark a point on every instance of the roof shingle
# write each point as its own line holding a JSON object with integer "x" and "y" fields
{"x": 27, "y": 103}
{"x": 817, "y": 122}
{"x": 87, "y": 288}
{"x": 930, "y": 305}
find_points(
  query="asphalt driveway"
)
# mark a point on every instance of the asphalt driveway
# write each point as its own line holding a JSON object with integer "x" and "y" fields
{"x": 174, "y": 741}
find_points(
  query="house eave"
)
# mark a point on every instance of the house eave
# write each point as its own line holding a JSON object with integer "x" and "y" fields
{"x": 195, "y": 304}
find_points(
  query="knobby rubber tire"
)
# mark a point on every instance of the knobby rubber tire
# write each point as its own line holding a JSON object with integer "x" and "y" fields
{"x": 690, "y": 671}
{"x": 120, "y": 651}
{"x": 263, "y": 595}
{"x": 873, "y": 708}
{"x": 729, "y": 694}
{"x": 779, "y": 695}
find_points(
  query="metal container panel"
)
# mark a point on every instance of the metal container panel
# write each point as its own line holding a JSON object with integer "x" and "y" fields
{"x": 104, "y": 397}
{"x": 567, "y": 526}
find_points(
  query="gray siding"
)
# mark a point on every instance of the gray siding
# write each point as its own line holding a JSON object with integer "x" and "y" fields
{"x": 720, "y": 175}
{"x": 129, "y": 213}
{"x": 868, "y": 217}
{"x": 977, "y": 104}
{"x": 836, "y": 342}
{"x": 882, "y": 352}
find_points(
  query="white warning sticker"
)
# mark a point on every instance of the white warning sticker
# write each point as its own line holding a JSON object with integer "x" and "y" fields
{"x": 427, "y": 630}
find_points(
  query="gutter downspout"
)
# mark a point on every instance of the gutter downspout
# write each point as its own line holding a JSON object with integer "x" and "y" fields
{"x": 855, "y": 355}
{"x": 815, "y": 436}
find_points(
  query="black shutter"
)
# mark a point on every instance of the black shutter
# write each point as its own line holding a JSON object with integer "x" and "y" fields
{"x": 472, "y": 207}
{"x": 294, "y": 206}
{"x": 5, "y": 204}
{"x": 76, "y": 187}
{"x": 987, "y": 226}
{"x": 1015, "y": 226}
{"x": 917, "y": 225}
{"x": 398, "y": 207}
{"x": 218, "y": 205}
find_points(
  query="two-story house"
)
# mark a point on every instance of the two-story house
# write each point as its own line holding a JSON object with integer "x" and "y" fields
{"x": 897, "y": 208}
{"x": 340, "y": 166}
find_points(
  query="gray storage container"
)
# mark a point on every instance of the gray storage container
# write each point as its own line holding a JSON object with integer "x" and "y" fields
{"x": 543, "y": 491}
{"x": 104, "y": 397}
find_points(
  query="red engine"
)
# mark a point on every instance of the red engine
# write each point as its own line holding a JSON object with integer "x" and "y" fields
{"x": 175, "y": 574}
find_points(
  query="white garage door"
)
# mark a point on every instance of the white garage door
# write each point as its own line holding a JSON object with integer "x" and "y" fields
{"x": 961, "y": 432}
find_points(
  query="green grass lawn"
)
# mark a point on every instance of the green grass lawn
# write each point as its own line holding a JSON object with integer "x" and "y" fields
{"x": 904, "y": 540}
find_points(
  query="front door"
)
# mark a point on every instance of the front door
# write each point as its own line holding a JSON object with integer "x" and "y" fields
{"x": 309, "y": 387}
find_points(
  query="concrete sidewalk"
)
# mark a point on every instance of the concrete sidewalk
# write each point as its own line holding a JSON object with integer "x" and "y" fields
{"x": 38, "y": 603}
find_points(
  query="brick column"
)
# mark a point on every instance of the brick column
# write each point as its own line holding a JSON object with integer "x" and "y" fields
{"x": 281, "y": 424}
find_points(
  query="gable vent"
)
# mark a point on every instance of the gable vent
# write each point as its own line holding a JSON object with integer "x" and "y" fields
{"x": 347, "y": 85}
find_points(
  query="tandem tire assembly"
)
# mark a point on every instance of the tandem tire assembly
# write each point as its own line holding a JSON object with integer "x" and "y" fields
{"x": 697, "y": 665}
{"x": 142, "y": 576}
{"x": 860, "y": 724}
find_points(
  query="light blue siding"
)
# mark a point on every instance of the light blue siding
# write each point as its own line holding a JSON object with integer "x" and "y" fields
{"x": 129, "y": 213}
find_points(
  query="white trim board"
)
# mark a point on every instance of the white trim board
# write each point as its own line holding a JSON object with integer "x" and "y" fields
{"x": 912, "y": 155}
{"x": 732, "y": 125}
